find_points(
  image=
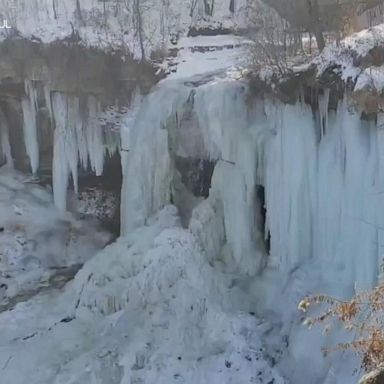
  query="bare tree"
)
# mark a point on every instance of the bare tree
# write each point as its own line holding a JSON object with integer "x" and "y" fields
{"x": 363, "y": 317}
{"x": 79, "y": 14}
{"x": 139, "y": 26}
{"x": 271, "y": 39}
{"x": 193, "y": 7}
{"x": 135, "y": 10}
{"x": 319, "y": 16}
{"x": 315, "y": 22}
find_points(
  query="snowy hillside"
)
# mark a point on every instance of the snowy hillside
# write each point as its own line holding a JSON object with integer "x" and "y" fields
{"x": 154, "y": 25}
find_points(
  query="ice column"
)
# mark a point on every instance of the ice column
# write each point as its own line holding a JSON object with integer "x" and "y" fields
{"x": 66, "y": 153}
{"x": 30, "y": 107}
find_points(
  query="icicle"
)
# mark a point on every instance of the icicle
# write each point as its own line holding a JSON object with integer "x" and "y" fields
{"x": 81, "y": 126}
{"x": 5, "y": 144}
{"x": 60, "y": 172}
{"x": 71, "y": 147}
{"x": 323, "y": 111}
{"x": 29, "y": 107}
{"x": 48, "y": 102}
{"x": 94, "y": 136}
{"x": 66, "y": 153}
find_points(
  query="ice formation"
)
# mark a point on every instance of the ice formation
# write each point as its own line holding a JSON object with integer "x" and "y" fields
{"x": 79, "y": 138}
{"x": 30, "y": 107}
{"x": 148, "y": 309}
{"x": 36, "y": 241}
{"x": 323, "y": 182}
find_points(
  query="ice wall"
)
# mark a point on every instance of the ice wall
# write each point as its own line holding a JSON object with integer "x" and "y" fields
{"x": 221, "y": 119}
{"x": 322, "y": 173}
{"x": 146, "y": 162}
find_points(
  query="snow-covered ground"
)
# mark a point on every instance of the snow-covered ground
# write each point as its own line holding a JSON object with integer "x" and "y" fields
{"x": 115, "y": 25}
{"x": 202, "y": 55}
{"x": 38, "y": 246}
{"x": 147, "y": 309}
{"x": 357, "y": 60}
{"x": 350, "y": 59}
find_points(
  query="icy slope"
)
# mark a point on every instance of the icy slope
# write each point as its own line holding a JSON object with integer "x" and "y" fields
{"x": 147, "y": 309}
{"x": 37, "y": 245}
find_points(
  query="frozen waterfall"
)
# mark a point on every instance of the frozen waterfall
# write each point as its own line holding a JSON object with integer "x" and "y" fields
{"x": 321, "y": 170}
{"x": 323, "y": 181}
{"x": 79, "y": 136}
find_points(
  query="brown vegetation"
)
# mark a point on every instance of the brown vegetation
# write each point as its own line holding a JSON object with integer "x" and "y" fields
{"x": 363, "y": 316}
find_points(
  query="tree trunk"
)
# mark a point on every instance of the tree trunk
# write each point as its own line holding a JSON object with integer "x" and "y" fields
{"x": 105, "y": 14}
{"x": 319, "y": 39}
{"x": 140, "y": 28}
{"x": 78, "y": 12}
{"x": 315, "y": 23}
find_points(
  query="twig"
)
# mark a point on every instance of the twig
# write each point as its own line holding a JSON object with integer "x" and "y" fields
{"x": 7, "y": 362}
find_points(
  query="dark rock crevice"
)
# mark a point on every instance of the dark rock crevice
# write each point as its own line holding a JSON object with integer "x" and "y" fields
{"x": 262, "y": 217}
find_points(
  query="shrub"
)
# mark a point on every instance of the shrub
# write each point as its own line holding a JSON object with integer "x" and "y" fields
{"x": 363, "y": 315}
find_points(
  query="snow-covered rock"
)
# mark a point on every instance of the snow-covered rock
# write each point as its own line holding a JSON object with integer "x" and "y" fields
{"x": 38, "y": 246}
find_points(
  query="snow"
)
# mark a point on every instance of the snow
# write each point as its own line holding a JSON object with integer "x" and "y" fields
{"x": 345, "y": 59}
{"x": 35, "y": 240}
{"x": 371, "y": 79}
{"x": 207, "y": 54}
{"x": 104, "y": 25}
{"x": 147, "y": 309}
